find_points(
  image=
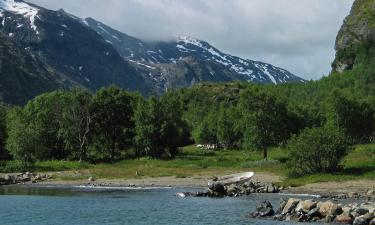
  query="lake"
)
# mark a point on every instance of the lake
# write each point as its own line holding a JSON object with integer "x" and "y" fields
{"x": 58, "y": 205}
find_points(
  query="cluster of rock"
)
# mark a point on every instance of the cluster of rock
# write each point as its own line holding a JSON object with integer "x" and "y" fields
{"x": 370, "y": 194}
{"x": 218, "y": 189}
{"x": 313, "y": 211}
{"x": 19, "y": 178}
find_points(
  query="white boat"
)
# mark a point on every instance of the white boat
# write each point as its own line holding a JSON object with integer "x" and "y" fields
{"x": 232, "y": 179}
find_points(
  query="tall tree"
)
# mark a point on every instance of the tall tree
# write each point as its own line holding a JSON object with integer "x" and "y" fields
{"x": 23, "y": 140}
{"x": 45, "y": 113}
{"x": 265, "y": 120}
{"x": 114, "y": 125}
{"x": 77, "y": 122}
{"x": 159, "y": 127}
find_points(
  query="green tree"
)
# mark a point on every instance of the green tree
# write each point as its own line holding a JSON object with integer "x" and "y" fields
{"x": 3, "y": 136}
{"x": 160, "y": 128}
{"x": 206, "y": 131}
{"x": 23, "y": 138}
{"x": 45, "y": 113}
{"x": 113, "y": 121}
{"x": 354, "y": 115}
{"x": 77, "y": 122}
{"x": 317, "y": 150}
{"x": 227, "y": 127}
{"x": 265, "y": 120}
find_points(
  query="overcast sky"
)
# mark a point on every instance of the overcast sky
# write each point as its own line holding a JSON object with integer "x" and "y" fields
{"x": 298, "y": 35}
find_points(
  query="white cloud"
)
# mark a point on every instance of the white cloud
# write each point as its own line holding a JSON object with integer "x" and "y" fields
{"x": 298, "y": 35}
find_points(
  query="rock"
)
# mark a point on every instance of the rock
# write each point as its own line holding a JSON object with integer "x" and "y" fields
{"x": 329, "y": 209}
{"x": 329, "y": 219}
{"x": 282, "y": 205}
{"x": 290, "y": 205}
{"x": 371, "y": 193}
{"x": 217, "y": 187}
{"x": 344, "y": 218}
{"x": 265, "y": 209}
{"x": 25, "y": 177}
{"x": 7, "y": 177}
{"x": 353, "y": 195}
{"x": 314, "y": 213}
{"x": 372, "y": 222}
{"x": 368, "y": 217}
{"x": 361, "y": 211}
{"x": 308, "y": 205}
{"x": 232, "y": 190}
{"x": 91, "y": 179}
{"x": 360, "y": 221}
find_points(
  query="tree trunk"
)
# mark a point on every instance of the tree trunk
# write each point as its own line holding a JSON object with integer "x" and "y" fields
{"x": 265, "y": 153}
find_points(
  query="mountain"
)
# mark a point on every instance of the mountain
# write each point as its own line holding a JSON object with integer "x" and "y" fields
{"x": 23, "y": 76}
{"x": 185, "y": 61}
{"x": 67, "y": 46}
{"x": 57, "y": 50}
{"x": 355, "y": 43}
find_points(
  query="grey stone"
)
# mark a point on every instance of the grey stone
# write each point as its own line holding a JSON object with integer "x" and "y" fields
{"x": 290, "y": 205}
{"x": 359, "y": 221}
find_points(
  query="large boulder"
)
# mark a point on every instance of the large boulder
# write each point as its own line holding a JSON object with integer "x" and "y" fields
{"x": 217, "y": 187}
{"x": 329, "y": 209}
{"x": 265, "y": 209}
{"x": 291, "y": 205}
{"x": 308, "y": 205}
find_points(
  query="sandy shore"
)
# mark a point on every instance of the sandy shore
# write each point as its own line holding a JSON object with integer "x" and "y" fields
{"x": 195, "y": 181}
{"x": 356, "y": 186}
{"x": 327, "y": 188}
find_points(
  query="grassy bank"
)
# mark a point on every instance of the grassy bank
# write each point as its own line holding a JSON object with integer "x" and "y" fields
{"x": 358, "y": 164}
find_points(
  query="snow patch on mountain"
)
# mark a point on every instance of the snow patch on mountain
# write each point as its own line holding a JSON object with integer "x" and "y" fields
{"x": 21, "y": 8}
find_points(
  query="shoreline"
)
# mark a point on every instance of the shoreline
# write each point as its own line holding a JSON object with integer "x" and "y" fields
{"x": 345, "y": 189}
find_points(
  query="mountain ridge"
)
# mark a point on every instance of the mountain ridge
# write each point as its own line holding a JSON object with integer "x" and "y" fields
{"x": 91, "y": 54}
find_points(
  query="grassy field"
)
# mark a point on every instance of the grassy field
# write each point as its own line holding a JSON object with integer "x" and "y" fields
{"x": 359, "y": 164}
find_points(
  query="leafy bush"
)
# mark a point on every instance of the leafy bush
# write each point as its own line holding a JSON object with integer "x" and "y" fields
{"x": 316, "y": 150}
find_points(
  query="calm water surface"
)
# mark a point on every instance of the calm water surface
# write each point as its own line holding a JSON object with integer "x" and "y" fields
{"x": 86, "y": 206}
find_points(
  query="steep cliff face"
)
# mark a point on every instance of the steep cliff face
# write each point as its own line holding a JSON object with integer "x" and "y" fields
{"x": 355, "y": 43}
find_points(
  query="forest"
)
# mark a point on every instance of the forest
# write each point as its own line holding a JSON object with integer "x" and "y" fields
{"x": 317, "y": 121}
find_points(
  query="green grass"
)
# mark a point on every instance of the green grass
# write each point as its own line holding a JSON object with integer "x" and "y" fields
{"x": 358, "y": 164}
{"x": 192, "y": 161}
{"x": 55, "y": 165}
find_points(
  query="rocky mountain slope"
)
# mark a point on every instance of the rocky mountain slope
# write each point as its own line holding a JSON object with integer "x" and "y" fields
{"x": 355, "y": 42}
{"x": 23, "y": 76}
{"x": 66, "y": 46}
{"x": 185, "y": 61}
{"x": 60, "y": 50}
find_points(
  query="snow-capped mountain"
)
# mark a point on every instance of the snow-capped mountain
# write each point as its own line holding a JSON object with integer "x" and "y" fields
{"x": 84, "y": 52}
{"x": 182, "y": 47}
{"x": 67, "y": 47}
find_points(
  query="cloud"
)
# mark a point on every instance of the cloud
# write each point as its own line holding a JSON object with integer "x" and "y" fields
{"x": 293, "y": 34}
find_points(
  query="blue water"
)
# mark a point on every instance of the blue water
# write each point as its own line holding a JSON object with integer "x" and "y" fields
{"x": 85, "y": 206}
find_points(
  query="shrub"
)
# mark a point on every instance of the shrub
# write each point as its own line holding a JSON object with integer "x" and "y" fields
{"x": 316, "y": 150}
